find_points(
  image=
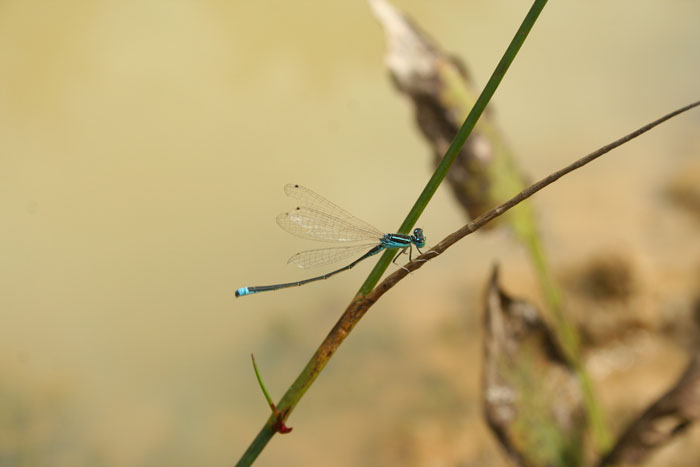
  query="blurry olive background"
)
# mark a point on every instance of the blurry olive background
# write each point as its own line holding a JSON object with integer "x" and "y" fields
{"x": 143, "y": 151}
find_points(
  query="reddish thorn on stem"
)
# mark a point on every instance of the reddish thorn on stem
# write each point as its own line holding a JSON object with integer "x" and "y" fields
{"x": 282, "y": 428}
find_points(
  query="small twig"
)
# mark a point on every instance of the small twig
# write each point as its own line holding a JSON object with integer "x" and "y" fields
{"x": 487, "y": 217}
{"x": 279, "y": 425}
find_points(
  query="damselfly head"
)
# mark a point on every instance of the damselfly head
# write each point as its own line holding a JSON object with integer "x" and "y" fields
{"x": 419, "y": 238}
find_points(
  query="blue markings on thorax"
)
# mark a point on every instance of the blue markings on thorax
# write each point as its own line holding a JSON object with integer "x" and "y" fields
{"x": 396, "y": 240}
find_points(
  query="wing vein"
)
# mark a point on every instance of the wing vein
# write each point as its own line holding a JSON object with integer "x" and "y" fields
{"x": 323, "y": 256}
{"x": 319, "y": 219}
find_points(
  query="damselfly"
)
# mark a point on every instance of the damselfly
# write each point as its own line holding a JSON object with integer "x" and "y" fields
{"x": 316, "y": 218}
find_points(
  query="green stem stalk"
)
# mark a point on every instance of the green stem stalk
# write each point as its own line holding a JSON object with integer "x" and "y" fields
{"x": 348, "y": 320}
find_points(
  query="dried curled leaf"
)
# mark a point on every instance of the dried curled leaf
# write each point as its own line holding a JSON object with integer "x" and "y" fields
{"x": 665, "y": 419}
{"x": 532, "y": 401}
{"x": 437, "y": 83}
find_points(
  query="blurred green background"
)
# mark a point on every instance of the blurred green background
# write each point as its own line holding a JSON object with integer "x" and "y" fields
{"x": 143, "y": 151}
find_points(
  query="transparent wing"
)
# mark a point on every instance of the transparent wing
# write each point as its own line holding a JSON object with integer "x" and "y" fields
{"x": 313, "y": 258}
{"x": 319, "y": 219}
{"x": 312, "y": 224}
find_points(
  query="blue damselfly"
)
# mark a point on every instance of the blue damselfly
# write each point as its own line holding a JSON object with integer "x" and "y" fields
{"x": 316, "y": 218}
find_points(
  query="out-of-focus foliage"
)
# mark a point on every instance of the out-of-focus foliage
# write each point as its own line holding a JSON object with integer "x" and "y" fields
{"x": 532, "y": 399}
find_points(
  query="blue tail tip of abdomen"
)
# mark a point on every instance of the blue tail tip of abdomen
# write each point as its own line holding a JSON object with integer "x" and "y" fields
{"x": 243, "y": 291}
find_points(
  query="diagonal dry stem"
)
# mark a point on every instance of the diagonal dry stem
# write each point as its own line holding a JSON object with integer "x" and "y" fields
{"x": 487, "y": 217}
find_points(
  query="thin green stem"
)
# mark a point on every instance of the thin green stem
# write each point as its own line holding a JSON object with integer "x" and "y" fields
{"x": 353, "y": 313}
{"x": 262, "y": 386}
